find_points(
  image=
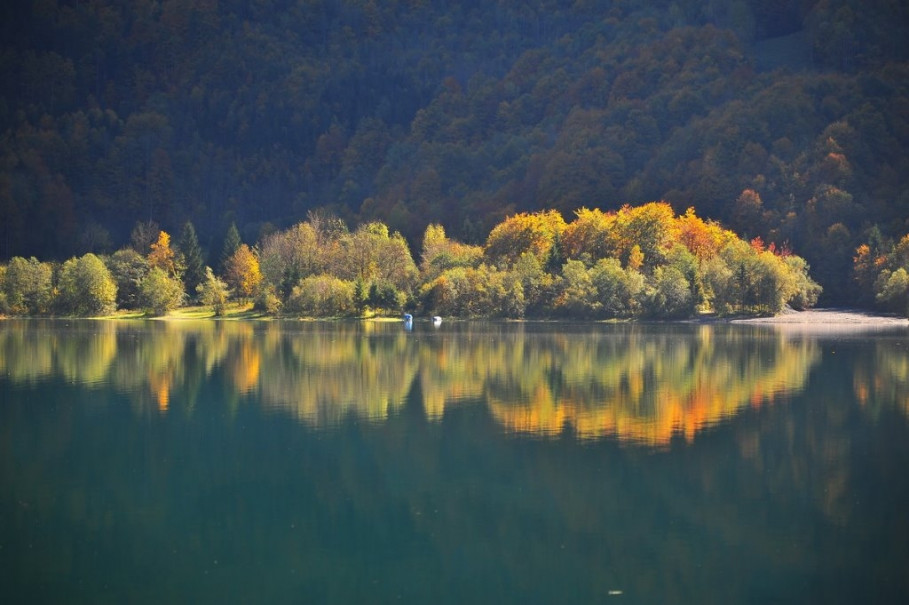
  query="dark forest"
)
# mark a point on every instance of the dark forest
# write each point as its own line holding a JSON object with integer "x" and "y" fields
{"x": 786, "y": 120}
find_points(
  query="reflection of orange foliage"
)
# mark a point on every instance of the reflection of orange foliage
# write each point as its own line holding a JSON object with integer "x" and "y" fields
{"x": 160, "y": 387}
{"x": 679, "y": 400}
{"x": 245, "y": 370}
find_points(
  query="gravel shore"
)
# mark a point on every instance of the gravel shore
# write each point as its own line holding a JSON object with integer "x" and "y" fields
{"x": 829, "y": 317}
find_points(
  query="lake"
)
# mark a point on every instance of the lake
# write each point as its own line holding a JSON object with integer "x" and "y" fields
{"x": 472, "y": 462}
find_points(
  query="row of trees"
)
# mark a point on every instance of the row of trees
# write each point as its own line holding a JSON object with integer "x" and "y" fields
{"x": 641, "y": 261}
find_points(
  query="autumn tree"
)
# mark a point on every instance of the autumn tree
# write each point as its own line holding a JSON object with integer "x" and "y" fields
{"x": 651, "y": 227}
{"x": 591, "y": 235}
{"x": 285, "y": 257}
{"x": 441, "y": 253}
{"x": 372, "y": 253}
{"x": 161, "y": 255}
{"x": 242, "y": 272}
{"x": 522, "y": 233}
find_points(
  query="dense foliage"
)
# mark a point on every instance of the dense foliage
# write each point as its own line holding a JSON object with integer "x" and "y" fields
{"x": 785, "y": 120}
{"x": 640, "y": 261}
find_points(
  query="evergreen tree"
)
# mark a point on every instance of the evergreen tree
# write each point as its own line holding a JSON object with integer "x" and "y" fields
{"x": 232, "y": 243}
{"x": 193, "y": 263}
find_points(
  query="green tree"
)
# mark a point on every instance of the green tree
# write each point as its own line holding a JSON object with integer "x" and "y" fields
{"x": 384, "y": 296}
{"x": 28, "y": 286}
{"x": 671, "y": 293}
{"x": 160, "y": 292}
{"x": 232, "y": 242}
{"x": 127, "y": 268}
{"x": 619, "y": 290}
{"x": 86, "y": 287}
{"x": 192, "y": 260}
{"x": 578, "y": 294}
{"x": 213, "y": 292}
{"x": 893, "y": 291}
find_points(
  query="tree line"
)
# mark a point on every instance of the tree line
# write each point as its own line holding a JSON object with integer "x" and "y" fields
{"x": 639, "y": 261}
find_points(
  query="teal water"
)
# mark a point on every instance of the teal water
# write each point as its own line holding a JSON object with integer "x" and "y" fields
{"x": 306, "y": 462}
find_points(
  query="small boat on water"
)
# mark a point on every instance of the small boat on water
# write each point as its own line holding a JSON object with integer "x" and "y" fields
{"x": 436, "y": 321}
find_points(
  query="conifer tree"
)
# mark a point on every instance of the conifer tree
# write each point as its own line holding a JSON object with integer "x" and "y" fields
{"x": 232, "y": 242}
{"x": 193, "y": 263}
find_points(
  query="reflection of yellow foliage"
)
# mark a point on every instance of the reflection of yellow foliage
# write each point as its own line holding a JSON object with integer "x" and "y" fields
{"x": 623, "y": 382}
{"x": 651, "y": 390}
{"x": 24, "y": 355}
{"x": 324, "y": 376}
{"x": 86, "y": 357}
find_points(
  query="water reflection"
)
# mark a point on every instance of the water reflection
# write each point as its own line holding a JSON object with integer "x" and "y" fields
{"x": 636, "y": 383}
{"x": 194, "y": 452}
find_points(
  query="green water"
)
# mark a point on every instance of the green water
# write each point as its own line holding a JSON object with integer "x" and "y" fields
{"x": 225, "y": 462}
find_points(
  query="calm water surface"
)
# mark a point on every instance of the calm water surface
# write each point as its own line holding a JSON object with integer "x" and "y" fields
{"x": 223, "y": 462}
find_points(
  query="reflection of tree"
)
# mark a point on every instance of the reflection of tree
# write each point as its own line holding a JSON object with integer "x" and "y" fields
{"x": 882, "y": 380}
{"x": 78, "y": 352}
{"x": 639, "y": 385}
{"x": 324, "y": 375}
{"x": 769, "y": 504}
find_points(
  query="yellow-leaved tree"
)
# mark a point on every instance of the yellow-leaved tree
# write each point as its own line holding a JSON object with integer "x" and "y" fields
{"x": 535, "y": 233}
{"x": 161, "y": 255}
{"x": 242, "y": 272}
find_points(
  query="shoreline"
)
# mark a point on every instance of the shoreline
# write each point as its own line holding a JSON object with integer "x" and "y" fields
{"x": 843, "y": 317}
{"x": 830, "y": 317}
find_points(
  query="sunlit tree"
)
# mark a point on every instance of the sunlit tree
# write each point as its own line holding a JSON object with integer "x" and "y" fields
{"x": 28, "y": 286}
{"x": 213, "y": 292}
{"x": 86, "y": 287}
{"x": 242, "y": 272}
{"x": 160, "y": 292}
{"x": 321, "y": 296}
{"x": 520, "y": 233}
{"x": 161, "y": 255}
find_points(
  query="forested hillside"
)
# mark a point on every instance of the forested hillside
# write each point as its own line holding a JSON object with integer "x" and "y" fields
{"x": 783, "y": 119}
